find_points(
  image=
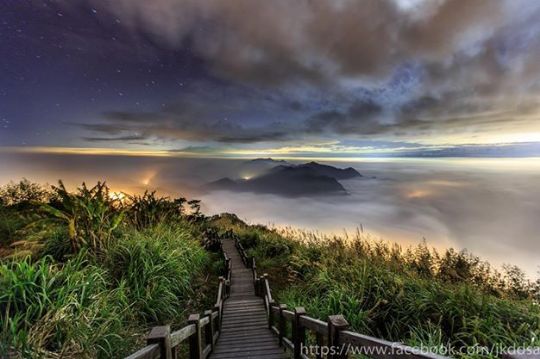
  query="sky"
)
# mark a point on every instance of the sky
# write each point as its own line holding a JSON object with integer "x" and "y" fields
{"x": 342, "y": 78}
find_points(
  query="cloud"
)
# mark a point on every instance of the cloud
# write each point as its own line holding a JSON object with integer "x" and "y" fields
{"x": 314, "y": 68}
{"x": 178, "y": 124}
{"x": 316, "y": 41}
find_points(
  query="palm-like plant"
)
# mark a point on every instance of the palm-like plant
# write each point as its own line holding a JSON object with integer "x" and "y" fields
{"x": 148, "y": 210}
{"x": 90, "y": 214}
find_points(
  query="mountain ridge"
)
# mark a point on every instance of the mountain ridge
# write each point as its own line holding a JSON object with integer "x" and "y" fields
{"x": 288, "y": 179}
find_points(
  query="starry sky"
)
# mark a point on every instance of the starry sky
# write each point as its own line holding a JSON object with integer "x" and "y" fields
{"x": 306, "y": 78}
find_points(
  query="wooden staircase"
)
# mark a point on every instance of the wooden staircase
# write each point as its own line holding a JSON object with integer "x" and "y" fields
{"x": 244, "y": 327}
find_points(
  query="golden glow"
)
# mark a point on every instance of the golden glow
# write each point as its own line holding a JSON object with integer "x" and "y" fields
{"x": 118, "y": 196}
{"x": 148, "y": 177}
{"x": 86, "y": 151}
{"x": 418, "y": 193}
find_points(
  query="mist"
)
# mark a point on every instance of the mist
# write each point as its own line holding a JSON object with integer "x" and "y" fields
{"x": 487, "y": 206}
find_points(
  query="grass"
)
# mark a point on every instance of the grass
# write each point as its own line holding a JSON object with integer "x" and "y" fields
{"x": 84, "y": 274}
{"x": 80, "y": 278}
{"x": 415, "y": 295}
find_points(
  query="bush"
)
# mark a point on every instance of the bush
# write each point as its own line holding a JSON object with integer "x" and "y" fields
{"x": 22, "y": 194}
{"x": 149, "y": 210}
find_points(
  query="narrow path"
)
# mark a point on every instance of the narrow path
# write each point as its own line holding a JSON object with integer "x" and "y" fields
{"x": 245, "y": 332}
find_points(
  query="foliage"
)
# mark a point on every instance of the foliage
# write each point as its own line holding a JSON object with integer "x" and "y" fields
{"x": 91, "y": 272}
{"x": 148, "y": 210}
{"x": 91, "y": 215}
{"x": 45, "y": 308}
{"x": 416, "y": 295}
{"x": 156, "y": 267}
{"x": 22, "y": 193}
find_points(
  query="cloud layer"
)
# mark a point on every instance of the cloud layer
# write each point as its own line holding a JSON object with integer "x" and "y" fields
{"x": 412, "y": 69}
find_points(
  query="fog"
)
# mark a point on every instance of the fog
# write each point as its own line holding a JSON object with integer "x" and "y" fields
{"x": 489, "y": 206}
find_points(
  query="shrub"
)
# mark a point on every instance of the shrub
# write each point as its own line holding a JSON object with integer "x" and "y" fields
{"x": 149, "y": 210}
{"x": 22, "y": 194}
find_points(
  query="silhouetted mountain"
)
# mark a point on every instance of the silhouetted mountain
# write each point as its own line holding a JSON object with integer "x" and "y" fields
{"x": 330, "y": 171}
{"x": 292, "y": 180}
{"x": 223, "y": 184}
{"x": 267, "y": 161}
{"x": 317, "y": 169}
{"x": 258, "y": 166}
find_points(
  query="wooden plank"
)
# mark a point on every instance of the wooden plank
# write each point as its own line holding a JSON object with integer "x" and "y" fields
{"x": 204, "y": 321}
{"x": 260, "y": 339}
{"x": 246, "y": 347}
{"x": 251, "y": 353}
{"x": 390, "y": 349}
{"x": 316, "y": 325}
{"x": 179, "y": 336}
{"x": 148, "y": 352}
{"x": 289, "y": 315}
{"x": 522, "y": 353}
{"x": 206, "y": 351}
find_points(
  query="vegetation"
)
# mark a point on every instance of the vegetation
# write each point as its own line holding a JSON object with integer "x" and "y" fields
{"x": 417, "y": 296}
{"x": 86, "y": 273}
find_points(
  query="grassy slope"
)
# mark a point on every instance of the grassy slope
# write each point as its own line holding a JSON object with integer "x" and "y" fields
{"x": 84, "y": 276}
{"x": 89, "y": 308}
{"x": 418, "y": 297}
{"x": 87, "y": 276}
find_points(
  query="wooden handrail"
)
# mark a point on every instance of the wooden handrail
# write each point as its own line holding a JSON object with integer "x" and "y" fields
{"x": 148, "y": 352}
{"x": 180, "y": 335}
{"x": 366, "y": 342}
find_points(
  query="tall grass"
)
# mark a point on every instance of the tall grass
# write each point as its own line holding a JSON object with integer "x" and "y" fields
{"x": 49, "y": 308}
{"x": 83, "y": 279}
{"x": 156, "y": 268}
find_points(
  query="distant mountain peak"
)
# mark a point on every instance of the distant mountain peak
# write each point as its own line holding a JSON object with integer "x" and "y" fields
{"x": 284, "y": 178}
{"x": 266, "y": 160}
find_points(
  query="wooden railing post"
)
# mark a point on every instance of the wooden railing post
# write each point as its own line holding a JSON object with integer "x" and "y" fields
{"x": 258, "y": 287}
{"x": 195, "y": 340}
{"x": 209, "y": 330}
{"x": 336, "y": 323}
{"x": 271, "y": 314}
{"x": 217, "y": 308}
{"x": 319, "y": 340}
{"x": 264, "y": 279}
{"x": 282, "y": 323}
{"x": 299, "y": 332}
{"x": 227, "y": 289}
{"x": 162, "y": 336}
{"x": 223, "y": 289}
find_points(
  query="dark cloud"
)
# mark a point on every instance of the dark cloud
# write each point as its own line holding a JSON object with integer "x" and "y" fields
{"x": 178, "y": 124}
{"x": 115, "y": 139}
{"x": 315, "y": 68}
{"x": 282, "y": 41}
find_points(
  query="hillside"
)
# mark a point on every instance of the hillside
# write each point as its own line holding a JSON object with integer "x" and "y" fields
{"x": 87, "y": 274}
